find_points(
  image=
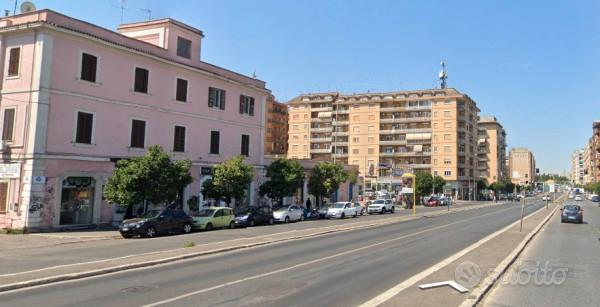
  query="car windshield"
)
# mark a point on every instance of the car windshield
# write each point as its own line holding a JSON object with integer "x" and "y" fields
{"x": 206, "y": 212}
{"x": 284, "y": 208}
{"x": 325, "y": 207}
{"x": 151, "y": 213}
{"x": 338, "y": 205}
{"x": 379, "y": 202}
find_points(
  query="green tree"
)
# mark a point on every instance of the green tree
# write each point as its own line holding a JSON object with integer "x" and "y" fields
{"x": 285, "y": 176}
{"x": 424, "y": 184}
{"x": 153, "y": 177}
{"x": 230, "y": 180}
{"x": 325, "y": 179}
{"x": 438, "y": 184}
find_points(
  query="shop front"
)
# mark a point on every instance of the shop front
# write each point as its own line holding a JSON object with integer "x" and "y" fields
{"x": 77, "y": 201}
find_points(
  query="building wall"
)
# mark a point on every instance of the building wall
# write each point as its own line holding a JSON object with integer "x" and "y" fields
{"x": 276, "y": 132}
{"x": 492, "y": 150}
{"x": 522, "y": 166}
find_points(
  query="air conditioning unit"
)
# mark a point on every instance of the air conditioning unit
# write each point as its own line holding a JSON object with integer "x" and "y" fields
{"x": 3, "y": 146}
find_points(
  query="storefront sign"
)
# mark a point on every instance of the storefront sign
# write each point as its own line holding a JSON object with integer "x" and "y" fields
{"x": 206, "y": 171}
{"x": 10, "y": 170}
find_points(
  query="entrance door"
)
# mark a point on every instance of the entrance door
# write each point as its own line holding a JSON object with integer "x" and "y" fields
{"x": 77, "y": 201}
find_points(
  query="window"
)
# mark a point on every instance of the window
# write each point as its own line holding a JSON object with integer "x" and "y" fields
{"x": 447, "y": 173}
{"x": 247, "y": 105}
{"x": 354, "y": 162}
{"x": 356, "y": 118}
{"x": 3, "y": 196}
{"x": 141, "y": 80}
{"x": 216, "y": 98}
{"x": 355, "y": 151}
{"x": 447, "y": 125}
{"x": 181, "y": 90}
{"x": 355, "y": 129}
{"x": 85, "y": 124}
{"x": 89, "y": 67}
{"x": 434, "y": 148}
{"x": 295, "y": 137}
{"x": 446, "y": 113}
{"x": 447, "y": 161}
{"x": 447, "y": 148}
{"x": 435, "y": 114}
{"x": 295, "y": 147}
{"x": 371, "y": 150}
{"x": 8, "y": 124}
{"x": 355, "y": 140}
{"x": 447, "y": 137}
{"x": 214, "y": 142}
{"x": 371, "y": 128}
{"x": 371, "y": 139}
{"x": 245, "y": 145}
{"x": 305, "y": 127}
{"x": 184, "y": 47}
{"x": 13, "y": 61}
{"x": 179, "y": 139}
{"x": 294, "y": 127}
{"x": 435, "y": 161}
{"x": 296, "y": 116}
{"x": 305, "y": 116}
{"x": 306, "y": 136}
{"x": 138, "y": 134}
{"x": 435, "y": 125}
{"x": 435, "y": 137}
{"x": 371, "y": 116}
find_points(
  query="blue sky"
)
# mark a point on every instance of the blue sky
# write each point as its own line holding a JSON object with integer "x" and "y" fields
{"x": 532, "y": 64}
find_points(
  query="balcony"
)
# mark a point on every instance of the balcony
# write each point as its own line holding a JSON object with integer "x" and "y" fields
{"x": 320, "y": 150}
{"x": 393, "y": 142}
{"x": 320, "y": 119}
{"x": 341, "y": 143}
{"x": 340, "y": 133}
{"x": 320, "y": 140}
{"x": 321, "y": 109}
{"x": 341, "y": 123}
{"x": 321, "y": 129}
{"x": 405, "y": 154}
{"x": 405, "y": 120}
{"x": 341, "y": 155}
{"x": 420, "y": 165}
{"x": 347, "y": 111}
{"x": 408, "y": 130}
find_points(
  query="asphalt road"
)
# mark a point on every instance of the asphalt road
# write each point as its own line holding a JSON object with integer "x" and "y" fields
{"x": 574, "y": 248}
{"x": 37, "y": 257}
{"x": 342, "y": 269}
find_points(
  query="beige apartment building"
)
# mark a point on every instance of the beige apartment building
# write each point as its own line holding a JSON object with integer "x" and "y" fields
{"x": 386, "y": 134}
{"x": 491, "y": 151}
{"x": 578, "y": 166}
{"x": 594, "y": 164}
{"x": 522, "y": 166}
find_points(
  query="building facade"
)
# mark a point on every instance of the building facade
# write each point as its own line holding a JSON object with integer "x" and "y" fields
{"x": 594, "y": 156}
{"x": 522, "y": 166}
{"x": 276, "y": 130}
{"x": 76, "y": 98}
{"x": 385, "y": 134}
{"x": 578, "y": 168}
{"x": 491, "y": 150}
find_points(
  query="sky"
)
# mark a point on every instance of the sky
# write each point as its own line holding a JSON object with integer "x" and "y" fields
{"x": 532, "y": 64}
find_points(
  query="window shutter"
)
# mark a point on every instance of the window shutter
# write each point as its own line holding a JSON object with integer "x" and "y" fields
{"x": 3, "y": 196}
{"x": 8, "y": 124}
{"x": 251, "y": 112}
{"x": 13, "y": 61}
{"x": 211, "y": 97}
{"x": 222, "y": 100}
{"x": 242, "y": 104}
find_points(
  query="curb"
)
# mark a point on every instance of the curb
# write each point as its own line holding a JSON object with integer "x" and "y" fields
{"x": 491, "y": 279}
{"x": 119, "y": 268}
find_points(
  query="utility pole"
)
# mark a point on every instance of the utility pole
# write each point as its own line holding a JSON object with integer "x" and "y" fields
{"x": 522, "y": 211}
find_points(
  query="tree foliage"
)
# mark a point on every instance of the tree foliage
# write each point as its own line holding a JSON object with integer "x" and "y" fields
{"x": 230, "y": 180}
{"x": 502, "y": 186}
{"x": 438, "y": 183}
{"x": 424, "y": 183}
{"x": 153, "y": 177}
{"x": 593, "y": 187}
{"x": 326, "y": 178}
{"x": 285, "y": 176}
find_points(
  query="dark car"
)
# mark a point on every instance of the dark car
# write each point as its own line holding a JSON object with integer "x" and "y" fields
{"x": 323, "y": 211}
{"x": 433, "y": 202}
{"x": 596, "y": 199}
{"x": 252, "y": 216}
{"x": 155, "y": 222}
{"x": 571, "y": 213}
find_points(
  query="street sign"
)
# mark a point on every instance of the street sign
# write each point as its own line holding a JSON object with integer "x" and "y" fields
{"x": 10, "y": 170}
{"x": 206, "y": 170}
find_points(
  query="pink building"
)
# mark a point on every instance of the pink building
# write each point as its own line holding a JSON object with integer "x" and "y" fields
{"x": 77, "y": 97}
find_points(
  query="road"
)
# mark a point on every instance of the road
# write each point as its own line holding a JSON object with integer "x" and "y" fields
{"x": 342, "y": 269}
{"x": 574, "y": 247}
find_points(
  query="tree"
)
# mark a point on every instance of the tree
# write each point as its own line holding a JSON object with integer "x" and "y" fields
{"x": 153, "y": 177}
{"x": 325, "y": 179}
{"x": 230, "y": 180}
{"x": 285, "y": 176}
{"x": 438, "y": 184}
{"x": 424, "y": 184}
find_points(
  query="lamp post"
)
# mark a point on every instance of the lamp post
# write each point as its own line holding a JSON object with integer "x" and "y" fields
{"x": 414, "y": 190}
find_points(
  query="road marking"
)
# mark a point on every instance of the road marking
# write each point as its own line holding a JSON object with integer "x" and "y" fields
{"x": 387, "y": 295}
{"x": 230, "y": 283}
{"x": 458, "y": 287}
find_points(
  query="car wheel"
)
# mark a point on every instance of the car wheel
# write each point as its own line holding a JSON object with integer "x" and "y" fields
{"x": 150, "y": 232}
{"x": 251, "y": 223}
{"x": 232, "y": 225}
{"x": 382, "y": 210}
{"x": 126, "y": 236}
{"x": 209, "y": 227}
{"x": 187, "y": 228}
{"x": 287, "y": 219}
{"x": 271, "y": 221}
{"x": 355, "y": 214}
{"x": 393, "y": 209}
{"x": 343, "y": 216}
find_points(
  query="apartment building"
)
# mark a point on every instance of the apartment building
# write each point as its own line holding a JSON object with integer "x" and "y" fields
{"x": 522, "y": 166}
{"x": 594, "y": 157}
{"x": 491, "y": 151}
{"x": 578, "y": 169}
{"x": 76, "y": 98}
{"x": 276, "y": 130}
{"x": 385, "y": 134}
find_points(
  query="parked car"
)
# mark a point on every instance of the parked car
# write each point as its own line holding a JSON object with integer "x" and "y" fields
{"x": 288, "y": 214}
{"x": 571, "y": 213}
{"x": 252, "y": 216}
{"x": 381, "y": 206}
{"x": 155, "y": 222}
{"x": 433, "y": 202}
{"x": 596, "y": 198}
{"x": 578, "y": 198}
{"x": 214, "y": 217}
{"x": 359, "y": 209}
{"x": 341, "y": 210}
{"x": 323, "y": 210}
{"x": 445, "y": 201}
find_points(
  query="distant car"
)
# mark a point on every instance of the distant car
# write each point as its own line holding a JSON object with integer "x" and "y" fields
{"x": 288, "y": 214}
{"x": 155, "y": 222}
{"x": 571, "y": 213}
{"x": 546, "y": 198}
{"x": 571, "y": 196}
{"x": 596, "y": 198}
{"x": 342, "y": 210}
{"x": 445, "y": 201}
{"x": 253, "y": 216}
{"x": 578, "y": 198}
{"x": 214, "y": 217}
{"x": 433, "y": 202}
{"x": 323, "y": 211}
{"x": 359, "y": 208}
{"x": 381, "y": 206}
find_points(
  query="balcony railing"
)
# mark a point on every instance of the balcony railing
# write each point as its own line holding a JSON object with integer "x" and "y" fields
{"x": 340, "y": 133}
{"x": 321, "y": 109}
{"x": 341, "y": 122}
{"x": 393, "y": 142}
{"x": 321, "y": 129}
{"x": 321, "y": 119}
{"x": 406, "y": 154}
{"x": 405, "y": 119}
{"x": 407, "y": 130}
{"x": 320, "y": 140}
{"x": 342, "y": 143}
{"x": 320, "y": 150}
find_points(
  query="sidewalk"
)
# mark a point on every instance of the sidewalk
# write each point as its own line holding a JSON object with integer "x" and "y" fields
{"x": 469, "y": 270}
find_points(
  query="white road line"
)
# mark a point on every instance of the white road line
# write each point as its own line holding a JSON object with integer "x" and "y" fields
{"x": 230, "y": 283}
{"x": 385, "y": 296}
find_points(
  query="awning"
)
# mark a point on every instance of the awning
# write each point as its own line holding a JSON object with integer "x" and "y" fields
{"x": 418, "y": 148}
{"x": 418, "y": 136}
{"x": 324, "y": 114}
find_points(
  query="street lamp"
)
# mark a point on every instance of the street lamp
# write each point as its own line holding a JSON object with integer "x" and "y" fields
{"x": 414, "y": 179}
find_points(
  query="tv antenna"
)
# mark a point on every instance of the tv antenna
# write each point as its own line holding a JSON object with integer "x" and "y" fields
{"x": 147, "y": 11}
{"x": 122, "y": 7}
{"x": 443, "y": 75}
